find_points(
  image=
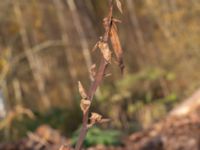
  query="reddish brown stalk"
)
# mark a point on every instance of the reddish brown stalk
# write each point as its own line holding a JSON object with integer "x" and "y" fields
{"x": 94, "y": 85}
{"x": 105, "y": 61}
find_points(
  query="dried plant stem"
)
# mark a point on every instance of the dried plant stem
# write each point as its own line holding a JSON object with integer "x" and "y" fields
{"x": 103, "y": 44}
{"x": 81, "y": 33}
{"x": 98, "y": 78}
{"x": 94, "y": 85}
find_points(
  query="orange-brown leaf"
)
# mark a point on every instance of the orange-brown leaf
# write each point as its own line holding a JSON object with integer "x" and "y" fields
{"x": 116, "y": 46}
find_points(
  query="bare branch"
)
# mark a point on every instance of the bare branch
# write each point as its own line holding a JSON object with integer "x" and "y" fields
{"x": 103, "y": 45}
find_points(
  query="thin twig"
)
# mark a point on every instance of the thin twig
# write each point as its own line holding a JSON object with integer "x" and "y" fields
{"x": 98, "y": 78}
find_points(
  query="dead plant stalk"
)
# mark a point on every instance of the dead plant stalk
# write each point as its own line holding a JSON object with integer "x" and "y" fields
{"x": 109, "y": 24}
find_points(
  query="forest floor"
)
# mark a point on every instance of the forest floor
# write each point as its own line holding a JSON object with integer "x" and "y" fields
{"x": 178, "y": 131}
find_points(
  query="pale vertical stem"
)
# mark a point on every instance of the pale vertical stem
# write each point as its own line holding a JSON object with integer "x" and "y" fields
{"x": 135, "y": 23}
{"x": 6, "y": 105}
{"x": 82, "y": 36}
{"x": 30, "y": 57}
{"x": 66, "y": 92}
{"x": 162, "y": 26}
{"x": 38, "y": 16}
{"x": 3, "y": 98}
{"x": 62, "y": 21}
{"x": 17, "y": 91}
{"x": 141, "y": 42}
{"x": 81, "y": 33}
{"x": 157, "y": 57}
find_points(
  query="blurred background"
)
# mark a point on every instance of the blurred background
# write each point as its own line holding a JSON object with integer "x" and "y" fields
{"x": 45, "y": 48}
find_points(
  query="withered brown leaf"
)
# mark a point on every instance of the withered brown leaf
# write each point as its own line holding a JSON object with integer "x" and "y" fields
{"x": 116, "y": 45}
{"x": 105, "y": 50}
{"x": 82, "y": 90}
{"x": 95, "y": 118}
{"x": 85, "y": 105}
{"x": 119, "y": 5}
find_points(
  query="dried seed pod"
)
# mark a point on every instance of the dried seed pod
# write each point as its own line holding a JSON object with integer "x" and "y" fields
{"x": 105, "y": 51}
{"x": 82, "y": 90}
{"x": 85, "y": 105}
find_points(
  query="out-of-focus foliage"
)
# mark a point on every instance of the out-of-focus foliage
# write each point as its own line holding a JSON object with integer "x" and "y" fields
{"x": 9, "y": 126}
{"x": 19, "y": 122}
{"x": 4, "y": 63}
{"x": 42, "y": 56}
{"x": 99, "y": 136}
{"x": 145, "y": 99}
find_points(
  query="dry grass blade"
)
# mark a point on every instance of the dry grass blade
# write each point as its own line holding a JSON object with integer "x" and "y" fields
{"x": 119, "y": 5}
{"x": 12, "y": 115}
{"x": 116, "y": 45}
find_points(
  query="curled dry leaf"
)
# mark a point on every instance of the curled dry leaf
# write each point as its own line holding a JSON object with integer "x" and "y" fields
{"x": 119, "y": 5}
{"x": 116, "y": 45}
{"x": 95, "y": 118}
{"x": 85, "y": 105}
{"x": 82, "y": 90}
{"x": 105, "y": 51}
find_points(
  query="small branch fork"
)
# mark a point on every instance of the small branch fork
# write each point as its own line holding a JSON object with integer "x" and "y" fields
{"x": 87, "y": 97}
